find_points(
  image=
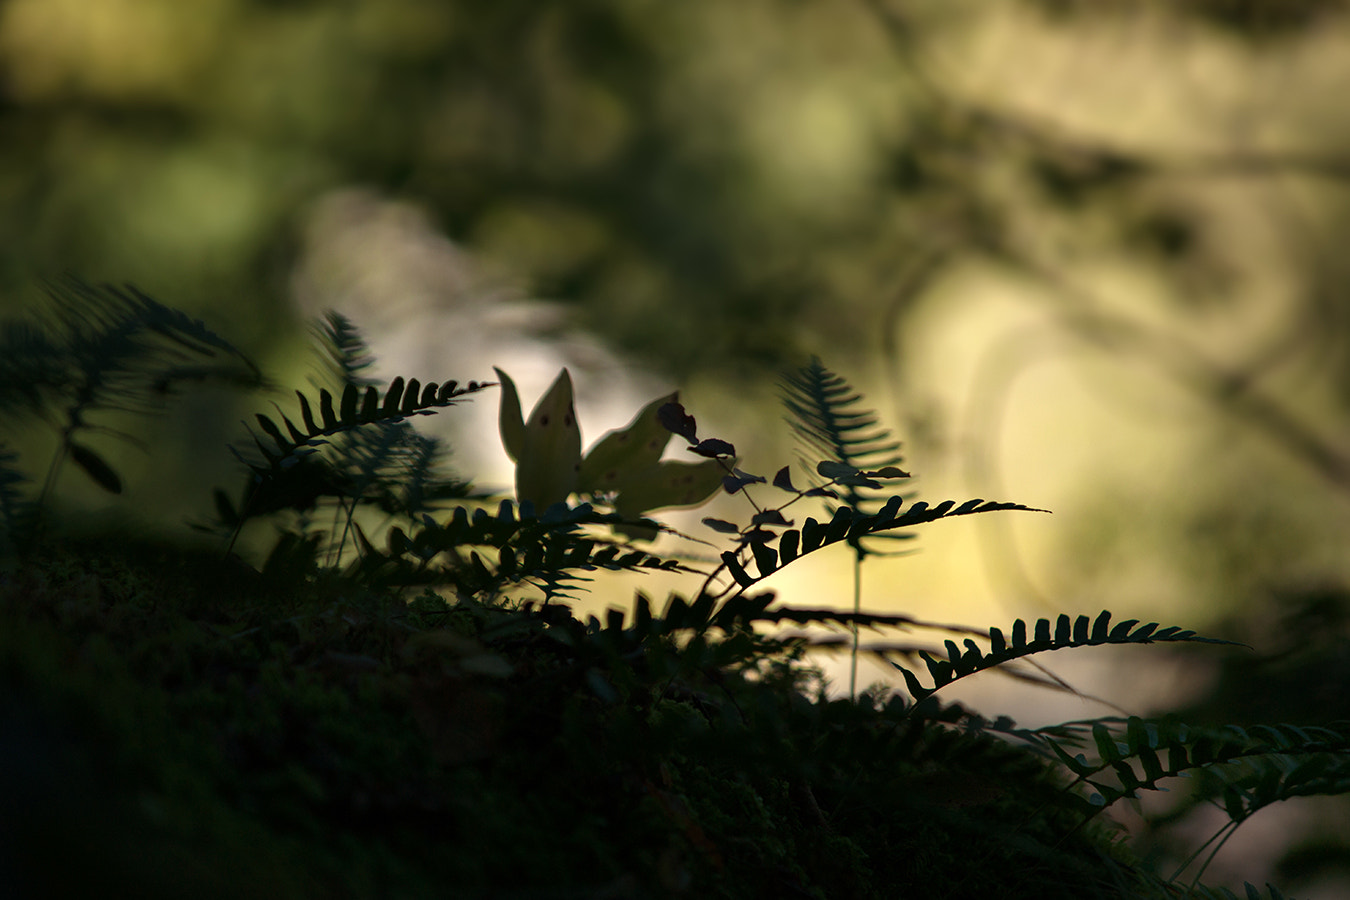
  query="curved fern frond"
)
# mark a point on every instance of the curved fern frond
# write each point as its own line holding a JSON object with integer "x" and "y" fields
{"x": 357, "y": 407}
{"x": 106, "y": 349}
{"x": 1276, "y": 778}
{"x": 1065, "y": 633}
{"x": 848, "y": 525}
{"x": 547, "y": 550}
{"x": 118, "y": 349}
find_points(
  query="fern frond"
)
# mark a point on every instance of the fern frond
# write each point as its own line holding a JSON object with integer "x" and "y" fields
{"x": 347, "y": 357}
{"x": 833, "y": 427}
{"x": 127, "y": 351}
{"x": 1066, "y": 633}
{"x": 547, "y": 549}
{"x": 1252, "y": 781}
{"x": 106, "y": 349}
{"x": 357, "y": 407}
{"x": 848, "y": 525}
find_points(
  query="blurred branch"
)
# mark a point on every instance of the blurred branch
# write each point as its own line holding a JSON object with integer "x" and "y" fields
{"x": 1232, "y": 391}
{"x": 1235, "y": 391}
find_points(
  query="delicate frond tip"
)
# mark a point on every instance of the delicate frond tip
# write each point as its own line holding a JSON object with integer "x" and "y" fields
{"x": 546, "y": 549}
{"x": 827, "y": 418}
{"x": 841, "y": 441}
{"x": 1065, "y": 633}
{"x": 1262, "y": 764}
{"x": 346, "y": 355}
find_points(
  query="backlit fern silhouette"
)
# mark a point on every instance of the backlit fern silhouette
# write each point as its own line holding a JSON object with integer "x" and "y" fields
{"x": 711, "y": 677}
{"x": 827, "y": 418}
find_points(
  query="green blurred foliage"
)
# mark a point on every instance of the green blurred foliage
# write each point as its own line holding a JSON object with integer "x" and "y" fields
{"x": 756, "y": 177}
{"x": 713, "y": 187}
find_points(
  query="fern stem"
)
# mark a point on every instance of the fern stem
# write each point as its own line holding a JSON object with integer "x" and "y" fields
{"x": 1231, "y": 828}
{"x": 1216, "y": 836}
{"x": 853, "y": 626}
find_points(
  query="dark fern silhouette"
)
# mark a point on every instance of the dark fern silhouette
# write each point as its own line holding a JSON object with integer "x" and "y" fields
{"x": 714, "y": 676}
{"x": 101, "y": 350}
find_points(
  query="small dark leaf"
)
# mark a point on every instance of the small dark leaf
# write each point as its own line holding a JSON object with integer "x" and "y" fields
{"x": 411, "y": 395}
{"x": 1080, "y": 629}
{"x": 813, "y": 535}
{"x": 722, "y": 526}
{"x": 737, "y": 570}
{"x": 96, "y": 468}
{"x": 889, "y": 511}
{"x": 916, "y": 689}
{"x": 839, "y": 526}
{"x": 347, "y": 408}
{"x": 888, "y": 472}
{"x": 835, "y": 470}
{"x": 306, "y": 414}
{"x": 674, "y": 419}
{"x": 1122, "y": 629}
{"x": 783, "y": 480}
{"x": 737, "y": 479}
{"x": 326, "y": 410}
{"x": 770, "y": 517}
{"x": 297, "y": 436}
{"x": 393, "y": 397}
{"x": 370, "y": 404}
{"x": 997, "y": 644}
{"x": 273, "y": 432}
{"x": 765, "y": 558}
{"x": 1101, "y": 627}
{"x": 714, "y": 448}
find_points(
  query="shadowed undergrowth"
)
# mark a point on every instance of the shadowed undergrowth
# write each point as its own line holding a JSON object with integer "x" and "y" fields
{"x": 398, "y": 700}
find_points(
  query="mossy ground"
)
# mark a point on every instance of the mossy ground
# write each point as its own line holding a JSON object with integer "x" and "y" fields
{"x": 174, "y": 726}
